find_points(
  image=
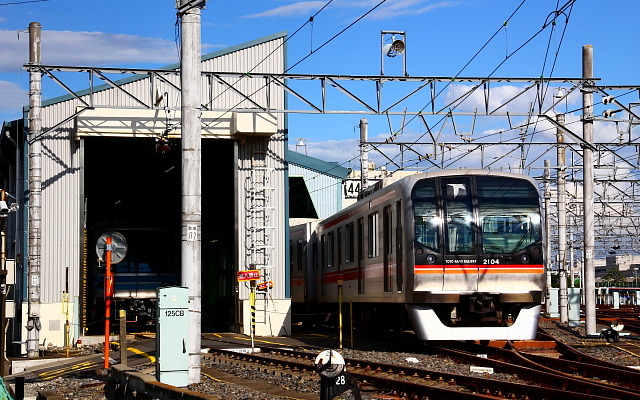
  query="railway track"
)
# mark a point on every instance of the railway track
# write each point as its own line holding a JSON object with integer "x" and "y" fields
{"x": 628, "y": 315}
{"x": 408, "y": 382}
{"x": 632, "y": 348}
{"x": 585, "y": 375}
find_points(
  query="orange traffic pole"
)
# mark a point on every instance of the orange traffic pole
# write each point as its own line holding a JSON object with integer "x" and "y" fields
{"x": 108, "y": 294}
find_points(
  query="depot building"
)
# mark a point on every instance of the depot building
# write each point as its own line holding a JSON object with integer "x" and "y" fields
{"x": 111, "y": 162}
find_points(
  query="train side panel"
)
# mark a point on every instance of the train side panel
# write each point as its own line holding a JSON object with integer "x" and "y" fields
{"x": 302, "y": 243}
{"x": 361, "y": 249}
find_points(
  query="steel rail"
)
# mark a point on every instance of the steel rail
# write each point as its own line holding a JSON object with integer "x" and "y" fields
{"x": 544, "y": 376}
{"x": 420, "y": 382}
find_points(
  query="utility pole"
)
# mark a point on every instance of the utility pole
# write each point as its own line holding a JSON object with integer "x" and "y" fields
{"x": 364, "y": 155}
{"x": 35, "y": 191}
{"x": 587, "y": 164}
{"x": 190, "y": 76}
{"x": 571, "y": 272}
{"x": 4, "y": 213}
{"x": 547, "y": 231}
{"x": 562, "y": 220}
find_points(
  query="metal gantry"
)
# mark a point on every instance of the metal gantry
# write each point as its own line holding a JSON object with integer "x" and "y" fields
{"x": 440, "y": 122}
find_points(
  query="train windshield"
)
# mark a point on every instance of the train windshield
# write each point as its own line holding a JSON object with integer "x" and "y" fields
{"x": 509, "y": 214}
{"x": 458, "y": 215}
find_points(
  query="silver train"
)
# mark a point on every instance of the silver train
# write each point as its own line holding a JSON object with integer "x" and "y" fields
{"x": 458, "y": 252}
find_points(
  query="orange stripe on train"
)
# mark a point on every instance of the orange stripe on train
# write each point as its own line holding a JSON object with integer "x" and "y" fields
{"x": 482, "y": 269}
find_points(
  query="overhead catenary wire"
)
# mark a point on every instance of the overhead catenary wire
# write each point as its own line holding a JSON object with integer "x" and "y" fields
{"x": 289, "y": 37}
{"x": 313, "y": 51}
{"x": 22, "y": 2}
{"x": 547, "y": 23}
{"x": 459, "y": 101}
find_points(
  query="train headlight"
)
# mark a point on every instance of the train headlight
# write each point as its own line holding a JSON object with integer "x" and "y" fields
{"x": 431, "y": 259}
{"x": 525, "y": 258}
{"x": 419, "y": 251}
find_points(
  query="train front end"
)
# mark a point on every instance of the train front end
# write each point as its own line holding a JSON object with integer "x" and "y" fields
{"x": 478, "y": 271}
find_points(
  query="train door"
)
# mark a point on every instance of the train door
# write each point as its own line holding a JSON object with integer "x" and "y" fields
{"x": 460, "y": 258}
{"x": 301, "y": 256}
{"x": 360, "y": 236}
{"x": 323, "y": 257}
{"x": 399, "y": 264}
{"x": 386, "y": 248}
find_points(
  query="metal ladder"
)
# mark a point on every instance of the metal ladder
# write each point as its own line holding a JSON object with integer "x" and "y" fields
{"x": 260, "y": 228}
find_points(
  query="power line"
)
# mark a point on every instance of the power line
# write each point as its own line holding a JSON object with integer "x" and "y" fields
{"x": 289, "y": 37}
{"x": 556, "y": 14}
{"x": 307, "y": 56}
{"x": 22, "y": 2}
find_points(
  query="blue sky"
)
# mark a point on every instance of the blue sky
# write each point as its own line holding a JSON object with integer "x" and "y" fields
{"x": 442, "y": 37}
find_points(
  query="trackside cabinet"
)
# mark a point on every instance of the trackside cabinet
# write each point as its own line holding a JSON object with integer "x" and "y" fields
{"x": 172, "y": 328}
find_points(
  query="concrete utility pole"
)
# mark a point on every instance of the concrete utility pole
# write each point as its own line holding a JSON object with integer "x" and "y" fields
{"x": 562, "y": 220}
{"x": 364, "y": 155}
{"x": 571, "y": 272}
{"x": 190, "y": 71}
{"x": 587, "y": 162}
{"x": 35, "y": 192}
{"x": 547, "y": 231}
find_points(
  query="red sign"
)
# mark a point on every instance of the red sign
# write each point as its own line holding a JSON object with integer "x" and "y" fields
{"x": 265, "y": 285}
{"x": 249, "y": 275}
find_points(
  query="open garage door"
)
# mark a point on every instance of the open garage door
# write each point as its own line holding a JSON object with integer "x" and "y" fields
{"x": 131, "y": 187}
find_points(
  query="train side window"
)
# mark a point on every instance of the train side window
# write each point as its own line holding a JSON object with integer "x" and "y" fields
{"x": 292, "y": 260}
{"x": 323, "y": 252}
{"x": 349, "y": 243}
{"x": 299, "y": 253}
{"x": 339, "y": 247}
{"x": 387, "y": 229}
{"x": 372, "y": 225}
{"x": 360, "y": 237}
{"x": 330, "y": 250}
{"x": 314, "y": 255}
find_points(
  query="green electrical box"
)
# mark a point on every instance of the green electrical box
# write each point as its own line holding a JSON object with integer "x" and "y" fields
{"x": 172, "y": 328}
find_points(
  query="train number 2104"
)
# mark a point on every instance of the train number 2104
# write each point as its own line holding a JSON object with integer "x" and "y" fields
{"x": 490, "y": 261}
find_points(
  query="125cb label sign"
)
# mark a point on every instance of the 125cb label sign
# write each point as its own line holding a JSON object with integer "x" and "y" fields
{"x": 174, "y": 313}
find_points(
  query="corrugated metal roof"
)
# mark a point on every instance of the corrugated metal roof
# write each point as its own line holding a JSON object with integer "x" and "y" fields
{"x": 130, "y": 79}
{"x": 332, "y": 169}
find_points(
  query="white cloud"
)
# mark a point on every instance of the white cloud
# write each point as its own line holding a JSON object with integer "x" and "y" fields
{"x": 12, "y": 99}
{"x": 400, "y": 8}
{"x": 86, "y": 48}
{"x": 390, "y": 9}
{"x": 340, "y": 151}
{"x": 295, "y": 9}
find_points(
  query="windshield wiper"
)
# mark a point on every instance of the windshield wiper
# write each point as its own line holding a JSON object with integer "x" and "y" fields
{"x": 517, "y": 246}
